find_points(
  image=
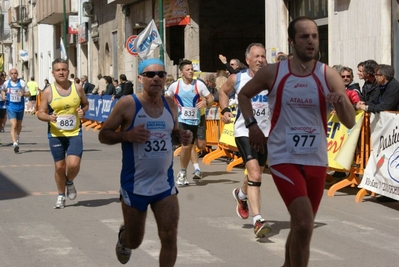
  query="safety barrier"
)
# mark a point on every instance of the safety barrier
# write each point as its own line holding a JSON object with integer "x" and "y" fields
{"x": 362, "y": 154}
{"x": 226, "y": 146}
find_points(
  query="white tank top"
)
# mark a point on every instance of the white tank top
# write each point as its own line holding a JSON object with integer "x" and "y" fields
{"x": 299, "y": 113}
{"x": 260, "y": 108}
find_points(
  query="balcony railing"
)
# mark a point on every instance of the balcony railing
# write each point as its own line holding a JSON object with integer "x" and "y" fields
{"x": 19, "y": 16}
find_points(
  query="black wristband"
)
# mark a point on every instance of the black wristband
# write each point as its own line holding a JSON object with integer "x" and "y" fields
{"x": 227, "y": 109}
{"x": 250, "y": 121}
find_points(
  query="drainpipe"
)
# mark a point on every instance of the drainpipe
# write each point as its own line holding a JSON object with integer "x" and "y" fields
{"x": 65, "y": 28}
{"x": 161, "y": 30}
{"x": 22, "y": 36}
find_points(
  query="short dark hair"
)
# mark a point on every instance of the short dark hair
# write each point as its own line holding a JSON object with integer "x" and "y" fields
{"x": 123, "y": 77}
{"x": 387, "y": 70}
{"x": 184, "y": 62}
{"x": 59, "y": 60}
{"x": 369, "y": 66}
{"x": 99, "y": 76}
{"x": 346, "y": 69}
{"x": 291, "y": 26}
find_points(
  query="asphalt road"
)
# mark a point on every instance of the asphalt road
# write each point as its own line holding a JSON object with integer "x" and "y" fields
{"x": 32, "y": 233}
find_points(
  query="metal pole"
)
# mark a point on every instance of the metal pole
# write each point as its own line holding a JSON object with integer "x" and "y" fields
{"x": 160, "y": 5}
{"x": 22, "y": 36}
{"x": 65, "y": 28}
{"x": 2, "y": 38}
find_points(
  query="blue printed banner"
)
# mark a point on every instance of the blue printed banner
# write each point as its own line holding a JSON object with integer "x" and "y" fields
{"x": 100, "y": 107}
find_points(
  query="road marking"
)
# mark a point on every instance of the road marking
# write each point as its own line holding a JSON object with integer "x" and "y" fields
{"x": 277, "y": 244}
{"x": 111, "y": 192}
{"x": 55, "y": 193}
{"x": 188, "y": 254}
{"x": 26, "y": 165}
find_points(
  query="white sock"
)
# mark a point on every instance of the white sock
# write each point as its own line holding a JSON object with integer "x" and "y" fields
{"x": 256, "y": 217}
{"x": 15, "y": 144}
{"x": 196, "y": 166}
{"x": 241, "y": 195}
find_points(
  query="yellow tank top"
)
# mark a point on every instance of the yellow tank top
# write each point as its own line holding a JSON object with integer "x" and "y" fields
{"x": 65, "y": 106}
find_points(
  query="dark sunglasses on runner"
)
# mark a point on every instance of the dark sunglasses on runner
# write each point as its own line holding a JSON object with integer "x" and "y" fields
{"x": 151, "y": 74}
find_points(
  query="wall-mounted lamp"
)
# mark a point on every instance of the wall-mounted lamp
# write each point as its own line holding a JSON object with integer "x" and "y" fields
{"x": 139, "y": 25}
{"x": 126, "y": 10}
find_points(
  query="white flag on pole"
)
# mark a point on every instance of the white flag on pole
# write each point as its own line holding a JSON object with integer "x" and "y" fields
{"x": 147, "y": 40}
{"x": 62, "y": 50}
{"x": 24, "y": 55}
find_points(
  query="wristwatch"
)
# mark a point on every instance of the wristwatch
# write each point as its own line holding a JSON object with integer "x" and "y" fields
{"x": 249, "y": 121}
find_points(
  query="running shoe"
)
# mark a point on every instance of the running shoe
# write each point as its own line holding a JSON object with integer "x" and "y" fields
{"x": 16, "y": 147}
{"x": 261, "y": 228}
{"x": 122, "y": 253}
{"x": 242, "y": 205}
{"x": 197, "y": 175}
{"x": 60, "y": 203}
{"x": 182, "y": 179}
{"x": 71, "y": 191}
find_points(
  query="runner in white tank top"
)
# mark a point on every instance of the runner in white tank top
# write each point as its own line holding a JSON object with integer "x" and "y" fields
{"x": 254, "y": 161}
{"x": 148, "y": 124}
{"x": 299, "y": 90}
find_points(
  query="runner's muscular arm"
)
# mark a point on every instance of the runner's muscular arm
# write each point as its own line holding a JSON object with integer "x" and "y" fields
{"x": 84, "y": 104}
{"x": 338, "y": 97}
{"x": 224, "y": 92}
{"x": 121, "y": 117}
{"x": 42, "y": 113}
{"x": 181, "y": 136}
{"x": 257, "y": 84}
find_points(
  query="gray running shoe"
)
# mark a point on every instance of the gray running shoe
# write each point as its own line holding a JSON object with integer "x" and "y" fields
{"x": 261, "y": 228}
{"x": 182, "y": 179}
{"x": 122, "y": 253}
{"x": 60, "y": 203}
{"x": 71, "y": 191}
{"x": 197, "y": 175}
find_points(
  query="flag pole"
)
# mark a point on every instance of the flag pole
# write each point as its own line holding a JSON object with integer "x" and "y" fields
{"x": 64, "y": 30}
{"x": 161, "y": 26}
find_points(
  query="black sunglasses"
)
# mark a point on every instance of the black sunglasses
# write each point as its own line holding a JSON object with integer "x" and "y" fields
{"x": 151, "y": 74}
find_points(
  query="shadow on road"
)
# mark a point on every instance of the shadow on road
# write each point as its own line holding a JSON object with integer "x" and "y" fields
{"x": 10, "y": 190}
{"x": 277, "y": 226}
{"x": 93, "y": 203}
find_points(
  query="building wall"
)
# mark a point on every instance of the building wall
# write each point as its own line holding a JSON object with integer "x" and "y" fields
{"x": 357, "y": 30}
{"x": 45, "y": 53}
{"x": 276, "y": 24}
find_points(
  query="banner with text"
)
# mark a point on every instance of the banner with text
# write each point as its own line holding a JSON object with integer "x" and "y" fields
{"x": 381, "y": 175}
{"x": 99, "y": 107}
{"x": 342, "y": 142}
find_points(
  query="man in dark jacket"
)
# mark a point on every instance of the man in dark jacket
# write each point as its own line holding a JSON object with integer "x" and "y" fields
{"x": 127, "y": 86}
{"x": 87, "y": 87}
{"x": 387, "y": 98}
{"x": 370, "y": 87}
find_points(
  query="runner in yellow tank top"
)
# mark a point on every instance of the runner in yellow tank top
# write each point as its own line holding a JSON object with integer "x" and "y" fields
{"x": 65, "y": 108}
{"x": 62, "y": 106}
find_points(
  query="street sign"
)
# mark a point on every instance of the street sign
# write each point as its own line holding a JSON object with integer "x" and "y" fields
{"x": 129, "y": 45}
